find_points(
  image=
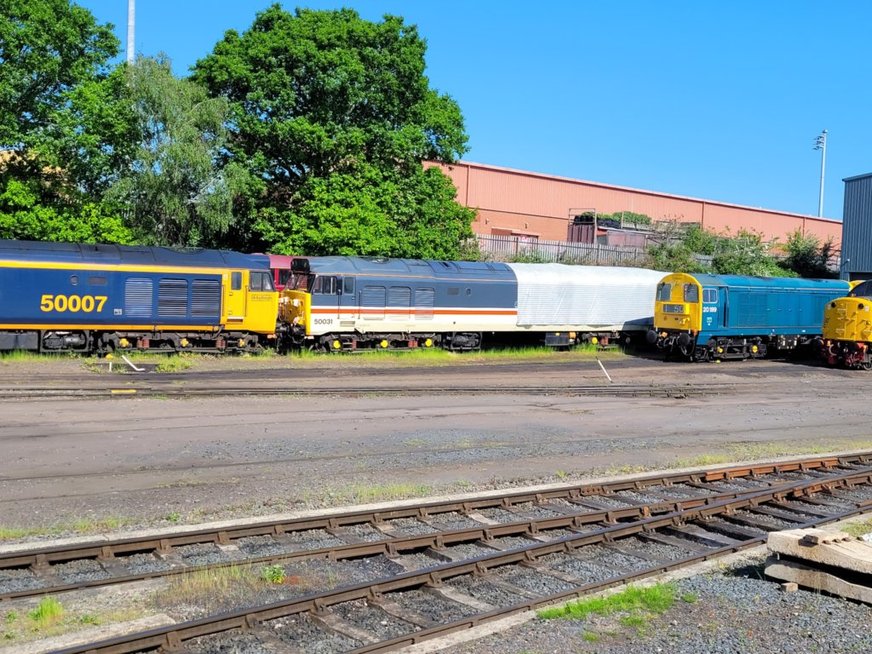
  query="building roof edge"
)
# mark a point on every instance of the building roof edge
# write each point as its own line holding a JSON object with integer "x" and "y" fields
{"x": 514, "y": 171}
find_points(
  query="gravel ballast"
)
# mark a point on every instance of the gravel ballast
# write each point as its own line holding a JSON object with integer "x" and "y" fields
{"x": 734, "y": 611}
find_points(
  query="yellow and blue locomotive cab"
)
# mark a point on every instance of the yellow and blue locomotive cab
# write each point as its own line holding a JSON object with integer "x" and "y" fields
{"x": 342, "y": 303}
{"x": 847, "y": 329}
{"x": 100, "y": 298}
{"x": 704, "y": 317}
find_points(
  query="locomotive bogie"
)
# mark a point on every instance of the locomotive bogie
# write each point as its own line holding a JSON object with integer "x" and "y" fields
{"x": 358, "y": 342}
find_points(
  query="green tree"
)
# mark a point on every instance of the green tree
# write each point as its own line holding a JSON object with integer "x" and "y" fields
{"x": 743, "y": 254}
{"x": 807, "y": 256}
{"x": 49, "y": 49}
{"x": 699, "y": 240}
{"x": 746, "y": 254}
{"x": 332, "y": 116}
{"x": 675, "y": 257}
{"x": 169, "y": 187}
{"x": 679, "y": 249}
{"x": 25, "y": 216}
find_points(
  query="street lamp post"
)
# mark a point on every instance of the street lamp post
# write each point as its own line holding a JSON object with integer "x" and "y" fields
{"x": 820, "y": 143}
{"x": 131, "y": 22}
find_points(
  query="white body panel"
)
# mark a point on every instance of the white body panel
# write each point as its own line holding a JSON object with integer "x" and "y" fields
{"x": 558, "y": 297}
{"x": 415, "y": 321}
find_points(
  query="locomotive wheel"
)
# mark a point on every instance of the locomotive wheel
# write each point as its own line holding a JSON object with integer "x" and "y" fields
{"x": 701, "y": 354}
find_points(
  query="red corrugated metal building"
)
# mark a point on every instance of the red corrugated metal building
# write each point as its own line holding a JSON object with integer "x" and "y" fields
{"x": 537, "y": 206}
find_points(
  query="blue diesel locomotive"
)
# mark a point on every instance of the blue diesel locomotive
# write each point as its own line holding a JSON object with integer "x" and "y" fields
{"x": 58, "y": 297}
{"x": 703, "y": 317}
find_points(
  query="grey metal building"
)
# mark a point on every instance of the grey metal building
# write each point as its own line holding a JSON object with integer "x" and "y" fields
{"x": 857, "y": 228}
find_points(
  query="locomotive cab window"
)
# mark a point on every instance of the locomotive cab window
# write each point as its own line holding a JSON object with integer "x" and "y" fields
{"x": 236, "y": 281}
{"x": 710, "y": 295}
{"x": 260, "y": 281}
{"x": 664, "y": 292}
{"x": 325, "y": 285}
{"x": 691, "y": 293}
{"x": 862, "y": 290}
{"x": 348, "y": 286}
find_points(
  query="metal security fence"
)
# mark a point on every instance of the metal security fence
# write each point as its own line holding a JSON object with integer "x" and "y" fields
{"x": 505, "y": 248}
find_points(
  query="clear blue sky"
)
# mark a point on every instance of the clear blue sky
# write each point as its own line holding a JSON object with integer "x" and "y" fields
{"x": 713, "y": 100}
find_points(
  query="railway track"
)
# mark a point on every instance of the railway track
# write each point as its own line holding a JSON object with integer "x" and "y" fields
{"x": 480, "y": 556}
{"x": 187, "y": 390}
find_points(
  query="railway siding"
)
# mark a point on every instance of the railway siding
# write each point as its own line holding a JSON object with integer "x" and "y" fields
{"x": 574, "y": 540}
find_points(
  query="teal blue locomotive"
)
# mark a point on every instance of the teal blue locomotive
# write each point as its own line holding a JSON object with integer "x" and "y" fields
{"x": 703, "y": 317}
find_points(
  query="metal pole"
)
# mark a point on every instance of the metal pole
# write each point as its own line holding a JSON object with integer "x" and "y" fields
{"x": 131, "y": 21}
{"x": 821, "y": 144}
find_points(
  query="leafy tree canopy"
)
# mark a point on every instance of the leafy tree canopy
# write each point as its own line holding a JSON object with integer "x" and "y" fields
{"x": 745, "y": 253}
{"x": 168, "y": 187}
{"x": 49, "y": 51}
{"x": 25, "y": 217}
{"x": 807, "y": 256}
{"x": 332, "y": 115}
{"x": 47, "y": 47}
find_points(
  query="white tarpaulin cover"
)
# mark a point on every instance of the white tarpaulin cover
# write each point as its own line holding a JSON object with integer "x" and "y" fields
{"x": 555, "y": 295}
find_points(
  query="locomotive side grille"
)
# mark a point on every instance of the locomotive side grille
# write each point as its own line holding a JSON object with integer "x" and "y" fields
{"x": 205, "y": 298}
{"x": 138, "y": 297}
{"x": 172, "y": 298}
{"x": 399, "y": 296}
{"x": 373, "y": 297}
{"x": 424, "y": 303}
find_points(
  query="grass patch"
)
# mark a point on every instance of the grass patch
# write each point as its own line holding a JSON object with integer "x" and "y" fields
{"x": 858, "y": 529}
{"x": 205, "y": 585}
{"x": 440, "y": 357}
{"x": 174, "y": 363}
{"x": 19, "y": 355}
{"x": 365, "y": 494}
{"x": 274, "y": 574}
{"x": 50, "y": 618}
{"x": 653, "y": 599}
{"x": 767, "y": 450}
{"x": 48, "y": 611}
{"x": 25, "y": 356}
{"x": 629, "y": 469}
{"x": 634, "y": 608}
{"x": 223, "y": 588}
{"x": 81, "y": 526}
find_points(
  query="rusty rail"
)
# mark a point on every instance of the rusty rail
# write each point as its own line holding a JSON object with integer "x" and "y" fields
{"x": 223, "y": 535}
